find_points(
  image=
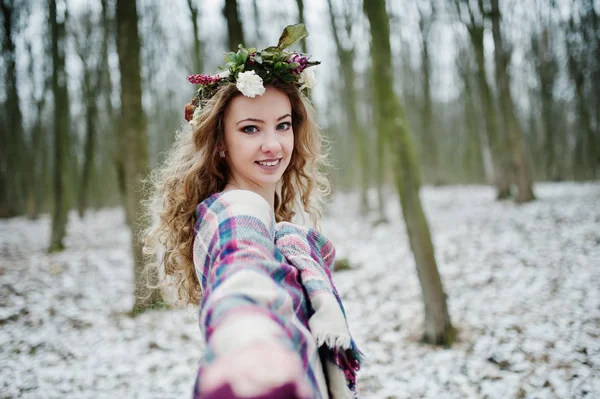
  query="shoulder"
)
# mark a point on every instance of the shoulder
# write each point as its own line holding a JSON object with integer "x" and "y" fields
{"x": 230, "y": 204}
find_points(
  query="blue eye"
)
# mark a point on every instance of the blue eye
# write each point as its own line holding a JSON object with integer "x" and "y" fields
{"x": 250, "y": 129}
{"x": 284, "y": 126}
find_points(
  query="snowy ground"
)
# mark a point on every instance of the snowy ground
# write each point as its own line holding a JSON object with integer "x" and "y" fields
{"x": 523, "y": 286}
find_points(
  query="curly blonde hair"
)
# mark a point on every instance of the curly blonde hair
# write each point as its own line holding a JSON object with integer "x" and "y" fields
{"x": 193, "y": 171}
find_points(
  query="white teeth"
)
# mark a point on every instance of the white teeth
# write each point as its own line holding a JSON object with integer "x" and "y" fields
{"x": 269, "y": 163}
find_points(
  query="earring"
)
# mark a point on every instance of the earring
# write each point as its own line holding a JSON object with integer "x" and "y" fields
{"x": 222, "y": 154}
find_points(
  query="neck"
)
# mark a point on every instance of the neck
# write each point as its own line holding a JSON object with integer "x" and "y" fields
{"x": 267, "y": 192}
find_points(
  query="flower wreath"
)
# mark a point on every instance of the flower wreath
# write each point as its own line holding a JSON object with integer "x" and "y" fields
{"x": 249, "y": 69}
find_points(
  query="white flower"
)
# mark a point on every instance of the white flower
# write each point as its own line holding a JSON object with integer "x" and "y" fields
{"x": 307, "y": 79}
{"x": 224, "y": 74}
{"x": 250, "y": 84}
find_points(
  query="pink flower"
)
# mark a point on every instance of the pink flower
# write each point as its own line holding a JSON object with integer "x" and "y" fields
{"x": 202, "y": 79}
{"x": 300, "y": 59}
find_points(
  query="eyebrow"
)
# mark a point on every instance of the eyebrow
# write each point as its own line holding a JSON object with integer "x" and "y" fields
{"x": 260, "y": 120}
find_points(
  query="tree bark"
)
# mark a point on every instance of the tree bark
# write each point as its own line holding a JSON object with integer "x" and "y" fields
{"x": 117, "y": 142}
{"x": 300, "y": 4}
{"x": 234, "y": 25}
{"x": 595, "y": 75}
{"x": 474, "y": 149}
{"x": 585, "y": 142}
{"x": 14, "y": 149}
{"x": 133, "y": 129}
{"x": 546, "y": 73}
{"x": 256, "y": 16}
{"x": 496, "y": 142}
{"x": 91, "y": 90}
{"x": 350, "y": 101}
{"x": 37, "y": 177}
{"x": 198, "y": 43}
{"x": 431, "y": 153}
{"x": 61, "y": 128}
{"x": 392, "y": 124}
{"x": 514, "y": 133}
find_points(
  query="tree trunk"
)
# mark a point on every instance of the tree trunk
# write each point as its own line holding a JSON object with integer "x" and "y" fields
{"x": 90, "y": 91}
{"x": 474, "y": 148}
{"x": 350, "y": 101}
{"x": 256, "y": 16}
{"x": 234, "y": 25}
{"x": 61, "y": 128}
{"x": 585, "y": 144}
{"x": 590, "y": 28}
{"x": 380, "y": 157}
{"x": 595, "y": 75}
{"x": 495, "y": 140}
{"x": 391, "y": 123}
{"x": 36, "y": 177}
{"x": 300, "y": 5}
{"x": 514, "y": 133}
{"x": 198, "y": 43}
{"x": 117, "y": 144}
{"x": 133, "y": 128}
{"x": 14, "y": 142}
{"x": 431, "y": 153}
{"x": 546, "y": 71}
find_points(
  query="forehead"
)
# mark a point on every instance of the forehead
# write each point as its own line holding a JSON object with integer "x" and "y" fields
{"x": 270, "y": 106}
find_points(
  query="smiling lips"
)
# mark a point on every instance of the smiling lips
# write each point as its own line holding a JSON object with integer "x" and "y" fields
{"x": 269, "y": 163}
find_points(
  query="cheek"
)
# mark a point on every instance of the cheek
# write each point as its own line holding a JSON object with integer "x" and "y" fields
{"x": 289, "y": 143}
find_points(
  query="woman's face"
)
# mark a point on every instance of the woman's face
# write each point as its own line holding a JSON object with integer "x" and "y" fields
{"x": 259, "y": 139}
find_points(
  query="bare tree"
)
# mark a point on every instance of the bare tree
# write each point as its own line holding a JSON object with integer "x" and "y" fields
{"x": 431, "y": 156}
{"x": 582, "y": 33}
{"x": 133, "y": 129}
{"x": 345, "y": 55}
{"x": 300, "y": 4}
{"x": 498, "y": 148}
{"x": 12, "y": 174}
{"x": 391, "y": 123}
{"x": 88, "y": 43}
{"x": 474, "y": 151}
{"x": 514, "y": 133}
{"x": 61, "y": 125}
{"x": 546, "y": 68}
{"x": 38, "y": 176}
{"x": 198, "y": 42}
{"x": 234, "y": 25}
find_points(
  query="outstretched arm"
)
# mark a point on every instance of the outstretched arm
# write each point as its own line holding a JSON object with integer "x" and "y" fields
{"x": 247, "y": 316}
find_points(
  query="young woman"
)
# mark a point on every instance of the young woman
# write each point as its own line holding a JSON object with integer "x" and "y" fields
{"x": 273, "y": 322}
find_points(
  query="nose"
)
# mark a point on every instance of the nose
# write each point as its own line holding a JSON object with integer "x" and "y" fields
{"x": 271, "y": 143}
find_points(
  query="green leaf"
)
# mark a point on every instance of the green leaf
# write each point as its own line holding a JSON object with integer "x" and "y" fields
{"x": 230, "y": 57}
{"x": 257, "y": 58}
{"x": 289, "y": 78}
{"x": 262, "y": 73}
{"x": 242, "y": 55}
{"x": 291, "y": 34}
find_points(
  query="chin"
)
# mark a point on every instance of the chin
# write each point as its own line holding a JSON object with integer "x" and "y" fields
{"x": 270, "y": 180}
